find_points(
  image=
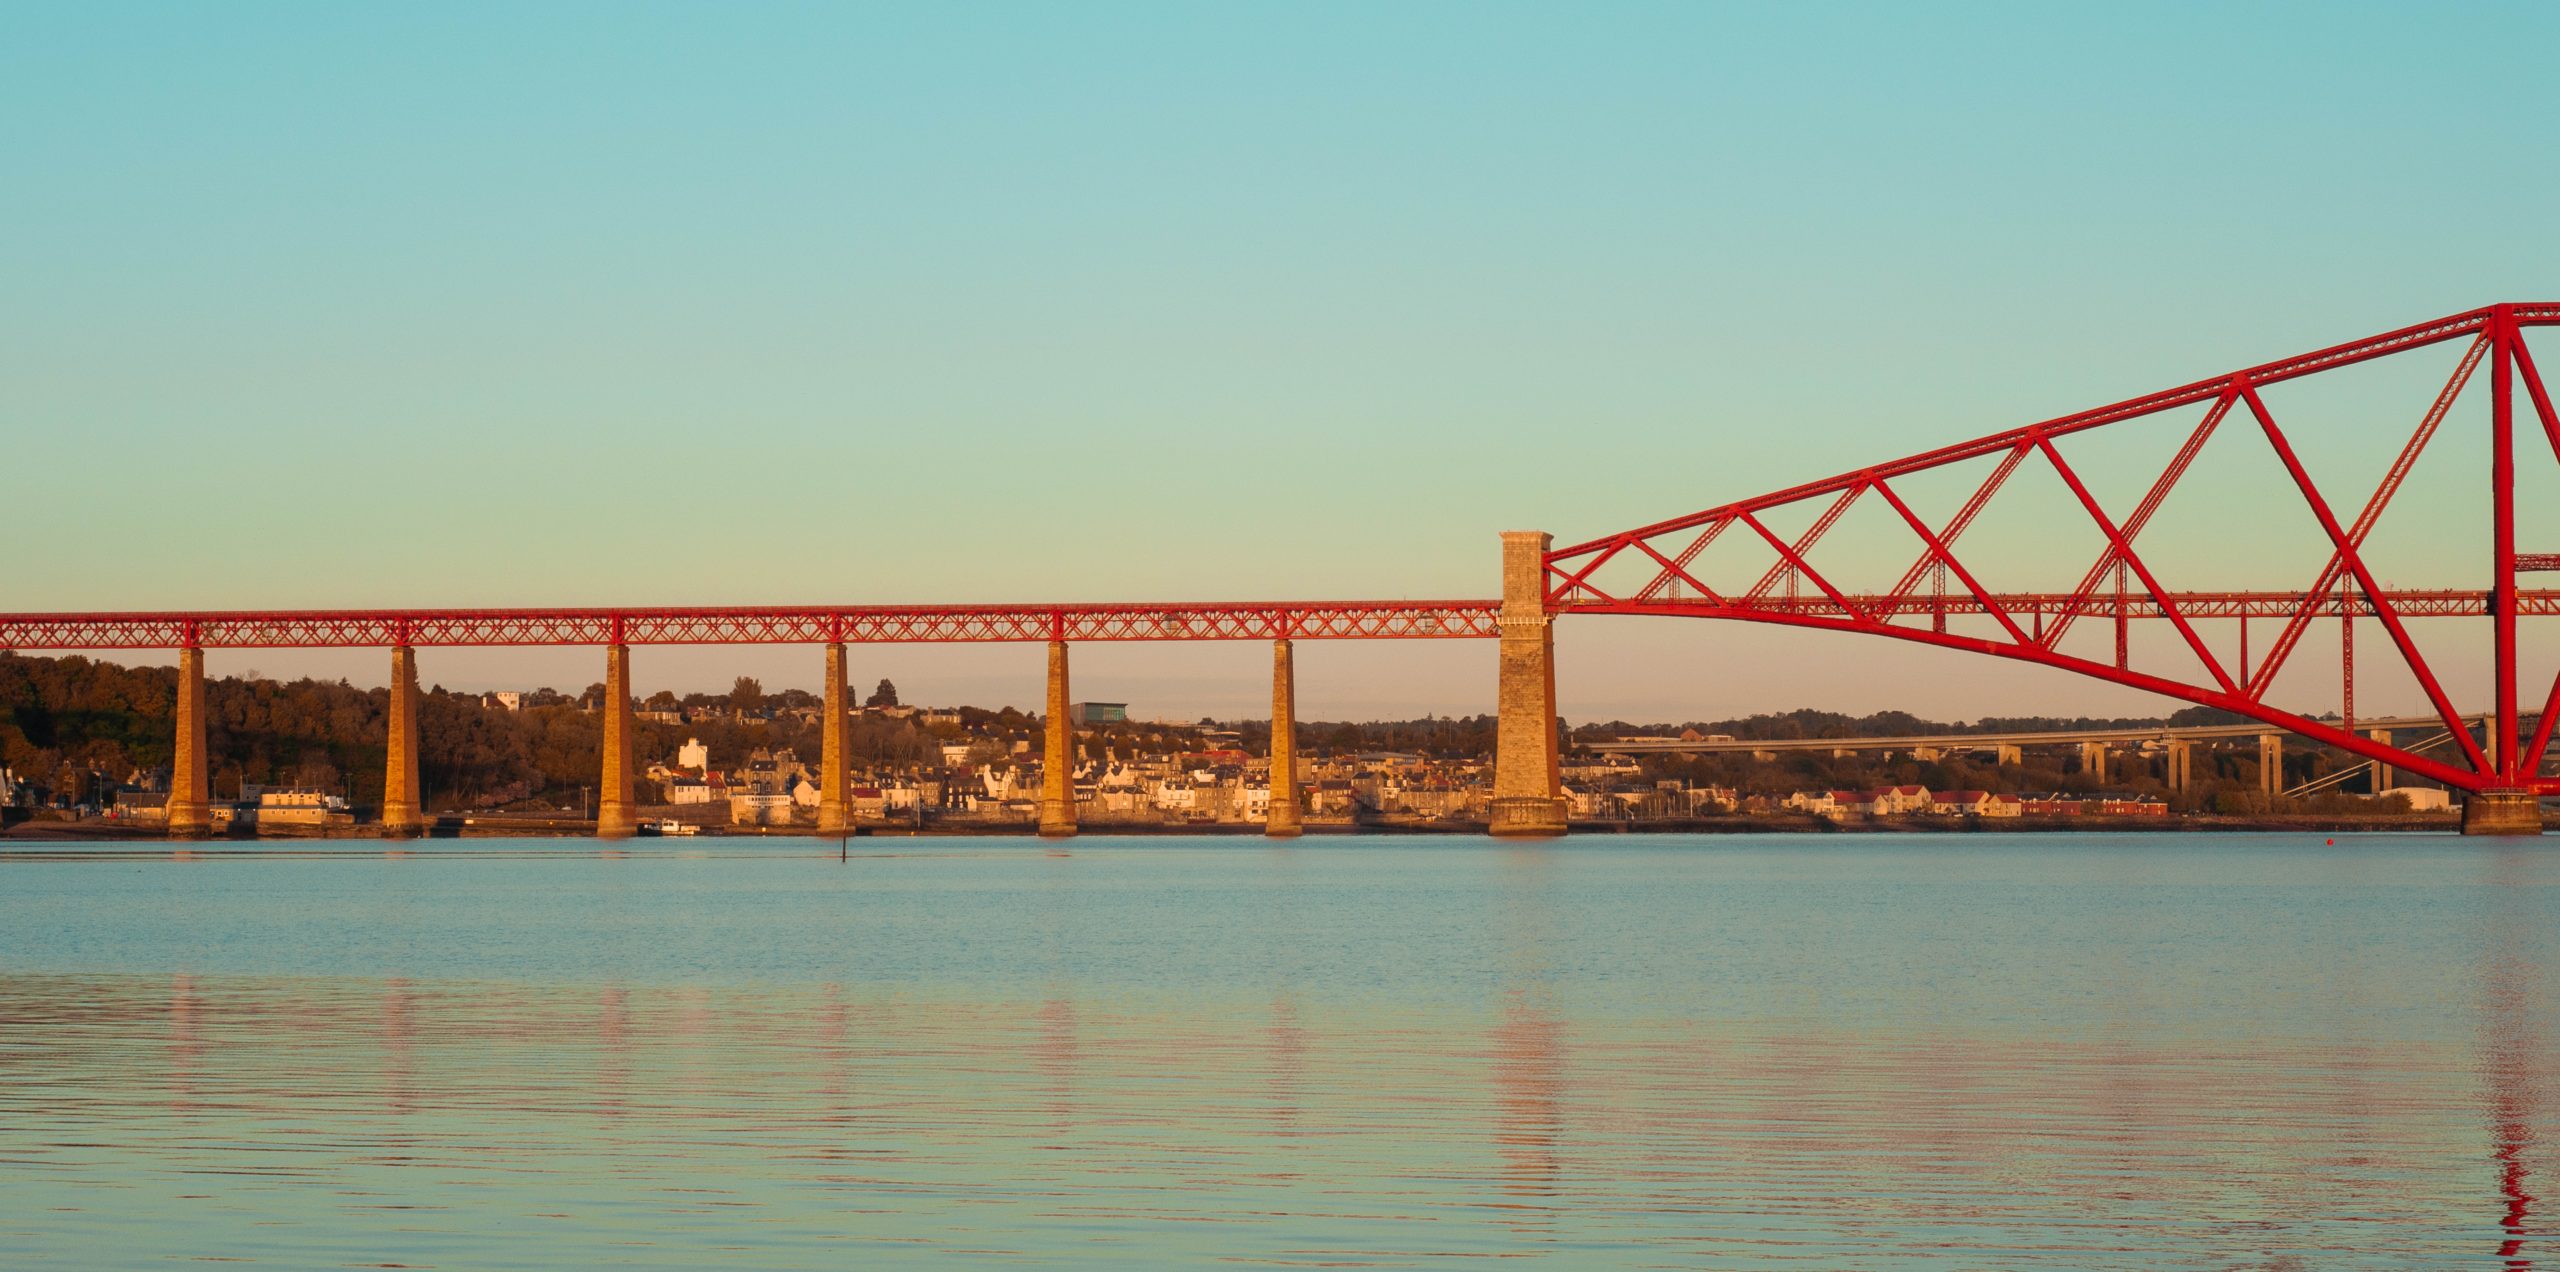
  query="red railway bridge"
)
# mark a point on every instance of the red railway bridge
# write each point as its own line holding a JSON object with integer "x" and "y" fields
{"x": 1663, "y": 569}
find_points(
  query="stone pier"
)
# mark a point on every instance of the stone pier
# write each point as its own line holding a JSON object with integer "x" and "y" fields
{"x": 2502, "y": 813}
{"x": 2271, "y": 764}
{"x": 1282, "y": 822}
{"x": 2178, "y": 766}
{"x": 834, "y": 812}
{"x": 2383, "y": 777}
{"x": 614, "y": 816}
{"x": 1058, "y": 754}
{"x": 2008, "y": 754}
{"x": 190, "y": 797}
{"x": 2093, "y": 761}
{"x": 401, "y": 816}
{"x": 1528, "y": 790}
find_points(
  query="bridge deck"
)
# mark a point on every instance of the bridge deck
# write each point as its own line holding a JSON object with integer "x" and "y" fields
{"x": 1212, "y": 620}
{"x": 755, "y": 625}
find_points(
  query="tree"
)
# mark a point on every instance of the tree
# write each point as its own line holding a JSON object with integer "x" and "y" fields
{"x": 662, "y": 700}
{"x": 884, "y": 696}
{"x": 593, "y": 697}
{"x": 316, "y": 772}
{"x": 747, "y": 694}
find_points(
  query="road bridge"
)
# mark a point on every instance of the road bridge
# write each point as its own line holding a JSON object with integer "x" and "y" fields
{"x": 2008, "y": 745}
{"x": 1983, "y": 740}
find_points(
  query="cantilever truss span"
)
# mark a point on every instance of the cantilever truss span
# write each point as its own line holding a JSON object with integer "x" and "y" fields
{"x": 1658, "y": 567}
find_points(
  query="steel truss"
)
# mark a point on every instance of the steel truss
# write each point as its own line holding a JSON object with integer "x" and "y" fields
{"x": 856, "y": 624}
{"x": 2119, "y": 586}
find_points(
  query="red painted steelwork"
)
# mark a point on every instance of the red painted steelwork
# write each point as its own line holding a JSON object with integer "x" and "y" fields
{"x": 2121, "y": 585}
{"x": 2407, "y": 602}
{"x": 857, "y": 624}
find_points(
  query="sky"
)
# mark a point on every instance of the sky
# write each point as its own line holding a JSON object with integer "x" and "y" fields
{"x": 318, "y": 305}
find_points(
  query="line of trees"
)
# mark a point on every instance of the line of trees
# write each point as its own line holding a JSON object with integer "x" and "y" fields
{"x": 64, "y": 719}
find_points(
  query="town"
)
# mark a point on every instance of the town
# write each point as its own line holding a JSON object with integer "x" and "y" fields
{"x": 78, "y": 738}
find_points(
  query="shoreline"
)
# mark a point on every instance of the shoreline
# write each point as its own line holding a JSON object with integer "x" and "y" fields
{"x": 1795, "y": 824}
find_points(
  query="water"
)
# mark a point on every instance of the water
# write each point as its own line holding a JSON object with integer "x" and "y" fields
{"x": 1844, "y": 1052}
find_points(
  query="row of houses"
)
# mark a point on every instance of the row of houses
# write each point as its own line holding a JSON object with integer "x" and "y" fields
{"x": 1905, "y": 801}
{"x": 264, "y": 806}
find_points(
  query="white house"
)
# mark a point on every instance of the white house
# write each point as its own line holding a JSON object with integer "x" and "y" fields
{"x": 1821, "y": 802}
{"x": 1957, "y": 803}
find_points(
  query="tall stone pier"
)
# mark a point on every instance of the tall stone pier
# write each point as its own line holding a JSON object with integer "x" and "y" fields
{"x": 1283, "y": 819}
{"x": 2383, "y": 777}
{"x": 2179, "y": 761}
{"x": 401, "y": 816}
{"x": 1057, "y": 757}
{"x": 190, "y": 816}
{"x": 2502, "y": 813}
{"x": 2093, "y": 761}
{"x": 614, "y": 816}
{"x": 1528, "y": 791}
{"x": 2271, "y": 764}
{"x": 834, "y": 814}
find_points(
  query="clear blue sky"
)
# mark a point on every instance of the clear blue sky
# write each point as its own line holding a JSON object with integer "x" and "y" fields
{"x": 328, "y": 304}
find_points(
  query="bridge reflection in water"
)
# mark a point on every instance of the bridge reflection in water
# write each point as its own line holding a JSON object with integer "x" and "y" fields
{"x": 1725, "y": 1055}
{"x": 286, "y": 1121}
{"x": 2515, "y": 1058}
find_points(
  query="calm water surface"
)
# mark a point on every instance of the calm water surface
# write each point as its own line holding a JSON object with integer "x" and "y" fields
{"x": 1854, "y": 1052}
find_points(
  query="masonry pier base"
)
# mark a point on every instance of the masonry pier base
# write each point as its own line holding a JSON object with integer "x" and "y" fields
{"x": 1528, "y": 786}
{"x": 1281, "y": 818}
{"x": 834, "y": 812}
{"x": 615, "y": 818}
{"x": 1057, "y": 757}
{"x": 401, "y": 816}
{"x": 1525, "y": 818}
{"x": 190, "y": 799}
{"x": 2502, "y": 813}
